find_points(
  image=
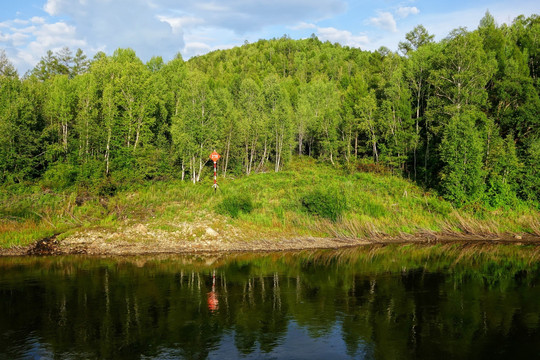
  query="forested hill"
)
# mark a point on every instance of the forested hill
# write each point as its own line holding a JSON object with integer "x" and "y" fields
{"x": 460, "y": 115}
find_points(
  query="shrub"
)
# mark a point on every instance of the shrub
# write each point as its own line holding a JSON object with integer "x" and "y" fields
{"x": 329, "y": 203}
{"x": 233, "y": 205}
{"x": 60, "y": 176}
{"x": 106, "y": 187}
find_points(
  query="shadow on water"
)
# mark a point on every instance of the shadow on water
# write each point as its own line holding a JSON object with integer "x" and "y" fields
{"x": 384, "y": 302}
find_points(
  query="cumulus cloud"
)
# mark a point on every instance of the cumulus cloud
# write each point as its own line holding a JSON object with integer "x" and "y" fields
{"x": 197, "y": 48}
{"x": 25, "y": 45}
{"x": 37, "y": 20}
{"x": 344, "y": 37}
{"x": 15, "y": 39}
{"x": 51, "y": 7}
{"x": 26, "y": 41}
{"x": 405, "y": 11}
{"x": 121, "y": 23}
{"x": 385, "y": 21}
{"x": 304, "y": 25}
{"x": 181, "y": 22}
{"x": 157, "y": 27}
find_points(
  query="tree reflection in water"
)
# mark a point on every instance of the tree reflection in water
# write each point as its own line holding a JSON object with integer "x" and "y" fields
{"x": 448, "y": 301}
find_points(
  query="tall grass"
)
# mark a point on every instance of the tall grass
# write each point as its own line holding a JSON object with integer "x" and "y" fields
{"x": 306, "y": 199}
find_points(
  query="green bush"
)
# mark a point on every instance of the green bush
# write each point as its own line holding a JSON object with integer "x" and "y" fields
{"x": 329, "y": 203}
{"x": 60, "y": 176}
{"x": 106, "y": 187}
{"x": 233, "y": 205}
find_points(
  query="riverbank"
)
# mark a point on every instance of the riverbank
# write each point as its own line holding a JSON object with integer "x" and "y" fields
{"x": 138, "y": 240}
{"x": 308, "y": 205}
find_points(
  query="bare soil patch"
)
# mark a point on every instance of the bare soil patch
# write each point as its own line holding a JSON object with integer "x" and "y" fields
{"x": 139, "y": 239}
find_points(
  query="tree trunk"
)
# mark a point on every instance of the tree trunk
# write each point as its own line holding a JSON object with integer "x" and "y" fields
{"x": 356, "y": 145}
{"x": 65, "y": 136}
{"x": 139, "y": 124}
{"x": 107, "y": 152}
{"x": 263, "y": 158}
{"x": 227, "y": 152}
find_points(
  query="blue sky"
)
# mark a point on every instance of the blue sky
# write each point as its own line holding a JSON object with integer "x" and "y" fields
{"x": 28, "y": 28}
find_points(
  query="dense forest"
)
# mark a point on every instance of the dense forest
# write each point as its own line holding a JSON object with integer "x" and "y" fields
{"x": 460, "y": 116}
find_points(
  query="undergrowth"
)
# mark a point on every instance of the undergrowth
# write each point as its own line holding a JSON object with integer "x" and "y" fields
{"x": 307, "y": 198}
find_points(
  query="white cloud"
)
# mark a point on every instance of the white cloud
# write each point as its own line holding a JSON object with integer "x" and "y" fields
{"x": 25, "y": 44}
{"x": 20, "y": 22}
{"x": 37, "y": 20}
{"x": 162, "y": 27}
{"x": 344, "y": 37}
{"x": 243, "y": 16}
{"x": 385, "y": 21}
{"x": 15, "y": 39}
{"x": 52, "y": 7}
{"x": 116, "y": 24}
{"x": 197, "y": 48}
{"x": 405, "y": 11}
{"x": 51, "y": 37}
{"x": 180, "y": 23}
{"x": 57, "y": 34}
{"x": 303, "y": 25}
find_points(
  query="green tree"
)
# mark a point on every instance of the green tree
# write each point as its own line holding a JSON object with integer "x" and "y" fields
{"x": 417, "y": 72}
{"x": 60, "y": 113}
{"x": 6, "y": 67}
{"x": 462, "y": 71}
{"x": 61, "y": 62}
{"x": 395, "y": 111}
{"x": 325, "y": 113}
{"x": 416, "y": 38}
{"x": 279, "y": 110}
{"x": 194, "y": 130}
{"x": 462, "y": 150}
{"x": 501, "y": 167}
{"x": 364, "y": 111}
{"x": 530, "y": 181}
{"x": 109, "y": 113}
{"x": 86, "y": 122}
{"x": 251, "y": 124}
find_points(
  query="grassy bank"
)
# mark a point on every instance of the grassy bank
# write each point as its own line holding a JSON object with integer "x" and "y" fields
{"x": 307, "y": 199}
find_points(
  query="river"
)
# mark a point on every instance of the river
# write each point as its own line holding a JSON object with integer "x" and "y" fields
{"x": 453, "y": 301}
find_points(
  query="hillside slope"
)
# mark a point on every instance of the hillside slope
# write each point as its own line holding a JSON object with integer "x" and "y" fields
{"x": 309, "y": 204}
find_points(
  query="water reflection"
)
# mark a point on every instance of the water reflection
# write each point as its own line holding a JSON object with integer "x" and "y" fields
{"x": 213, "y": 302}
{"x": 452, "y": 301}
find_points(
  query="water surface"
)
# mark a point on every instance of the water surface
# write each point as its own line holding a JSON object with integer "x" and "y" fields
{"x": 380, "y": 302}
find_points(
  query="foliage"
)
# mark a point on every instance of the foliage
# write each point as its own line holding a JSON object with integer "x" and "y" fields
{"x": 328, "y": 202}
{"x": 460, "y": 116}
{"x": 234, "y": 205}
